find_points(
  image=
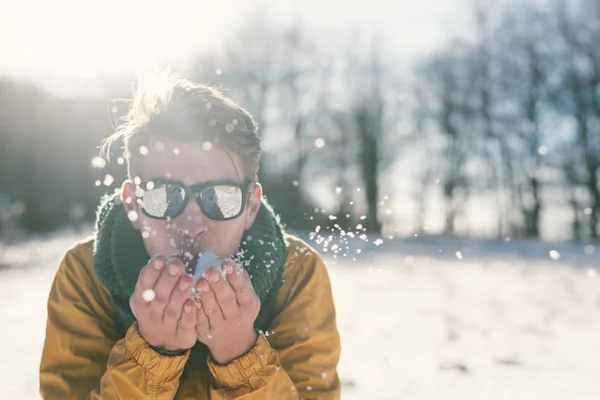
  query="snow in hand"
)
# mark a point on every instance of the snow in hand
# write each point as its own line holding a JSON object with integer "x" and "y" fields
{"x": 205, "y": 261}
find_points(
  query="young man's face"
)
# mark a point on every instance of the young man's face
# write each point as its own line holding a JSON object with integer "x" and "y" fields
{"x": 191, "y": 231}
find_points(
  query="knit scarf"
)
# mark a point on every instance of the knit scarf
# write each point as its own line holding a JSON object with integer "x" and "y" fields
{"x": 120, "y": 255}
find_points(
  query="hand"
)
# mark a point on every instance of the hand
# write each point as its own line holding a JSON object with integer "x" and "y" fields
{"x": 226, "y": 313}
{"x": 168, "y": 320}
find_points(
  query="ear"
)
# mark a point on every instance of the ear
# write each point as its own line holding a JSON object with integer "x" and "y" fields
{"x": 254, "y": 205}
{"x": 129, "y": 201}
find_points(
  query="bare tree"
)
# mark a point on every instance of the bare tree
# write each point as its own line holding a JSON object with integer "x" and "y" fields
{"x": 523, "y": 62}
{"x": 279, "y": 74}
{"x": 578, "y": 96}
{"x": 371, "y": 118}
{"x": 450, "y": 88}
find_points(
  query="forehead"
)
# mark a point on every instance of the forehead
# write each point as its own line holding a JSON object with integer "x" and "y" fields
{"x": 190, "y": 162}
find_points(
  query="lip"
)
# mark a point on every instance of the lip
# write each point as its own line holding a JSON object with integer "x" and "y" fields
{"x": 187, "y": 253}
{"x": 187, "y": 249}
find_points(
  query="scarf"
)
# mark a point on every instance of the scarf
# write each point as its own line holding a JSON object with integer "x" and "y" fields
{"x": 120, "y": 255}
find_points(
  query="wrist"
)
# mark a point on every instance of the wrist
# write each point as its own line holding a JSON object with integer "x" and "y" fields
{"x": 165, "y": 352}
{"x": 162, "y": 350}
{"x": 261, "y": 360}
{"x": 137, "y": 349}
{"x": 225, "y": 356}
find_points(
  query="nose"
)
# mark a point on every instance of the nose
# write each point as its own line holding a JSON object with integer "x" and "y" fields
{"x": 191, "y": 222}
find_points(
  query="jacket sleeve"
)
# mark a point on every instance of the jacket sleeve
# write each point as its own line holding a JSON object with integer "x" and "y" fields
{"x": 84, "y": 357}
{"x": 298, "y": 359}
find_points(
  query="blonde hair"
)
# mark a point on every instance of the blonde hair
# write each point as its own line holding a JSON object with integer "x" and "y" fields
{"x": 170, "y": 106}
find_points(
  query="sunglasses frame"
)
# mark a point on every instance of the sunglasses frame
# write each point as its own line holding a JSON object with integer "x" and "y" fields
{"x": 245, "y": 187}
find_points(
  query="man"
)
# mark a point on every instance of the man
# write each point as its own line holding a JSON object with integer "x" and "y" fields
{"x": 126, "y": 319}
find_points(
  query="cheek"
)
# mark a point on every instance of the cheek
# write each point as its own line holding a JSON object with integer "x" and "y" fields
{"x": 236, "y": 230}
{"x": 250, "y": 217}
{"x": 229, "y": 231}
{"x": 155, "y": 231}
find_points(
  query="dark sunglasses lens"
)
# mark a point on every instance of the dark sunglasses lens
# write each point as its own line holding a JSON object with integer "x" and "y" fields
{"x": 163, "y": 201}
{"x": 221, "y": 201}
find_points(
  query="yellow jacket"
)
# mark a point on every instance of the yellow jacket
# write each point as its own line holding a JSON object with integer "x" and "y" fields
{"x": 84, "y": 357}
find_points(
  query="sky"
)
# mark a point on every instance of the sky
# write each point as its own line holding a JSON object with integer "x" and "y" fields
{"x": 66, "y": 45}
{"x": 69, "y": 40}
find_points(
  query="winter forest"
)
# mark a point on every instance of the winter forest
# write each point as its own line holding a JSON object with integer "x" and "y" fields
{"x": 459, "y": 183}
{"x": 494, "y": 134}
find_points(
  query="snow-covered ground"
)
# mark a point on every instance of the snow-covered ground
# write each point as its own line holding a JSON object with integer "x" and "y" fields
{"x": 418, "y": 320}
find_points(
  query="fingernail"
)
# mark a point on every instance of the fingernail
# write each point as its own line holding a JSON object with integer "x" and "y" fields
{"x": 158, "y": 264}
{"x": 187, "y": 308}
{"x": 198, "y": 305}
{"x": 229, "y": 268}
{"x": 184, "y": 285}
{"x": 203, "y": 287}
{"x": 214, "y": 277}
{"x": 173, "y": 269}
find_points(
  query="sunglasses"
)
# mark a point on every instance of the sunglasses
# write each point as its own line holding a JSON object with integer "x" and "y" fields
{"x": 218, "y": 200}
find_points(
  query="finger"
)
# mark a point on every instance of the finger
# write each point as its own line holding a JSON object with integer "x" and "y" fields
{"x": 224, "y": 293}
{"x": 181, "y": 293}
{"x": 187, "y": 322}
{"x": 209, "y": 304}
{"x": 165, "y": 285}
{"x": 150, "y": 274}
{"x": 147, "y": 279}
{"x": 202, "y": 325}
{"x": 240, "y": 282}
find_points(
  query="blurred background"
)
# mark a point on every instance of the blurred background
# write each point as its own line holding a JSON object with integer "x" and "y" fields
{"x": 473, "y": 118}
{"x": 461, "y": 134}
